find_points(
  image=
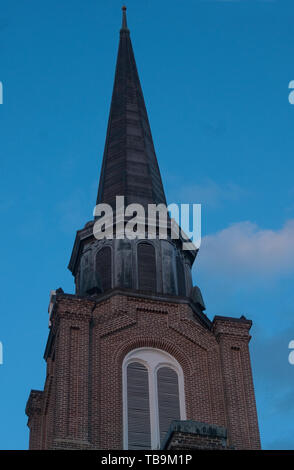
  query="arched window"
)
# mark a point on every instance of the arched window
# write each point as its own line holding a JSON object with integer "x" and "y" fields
{"x": 153, "y": 396}
{"x": 103, "y": 267}
{"x": 146, "y": 267}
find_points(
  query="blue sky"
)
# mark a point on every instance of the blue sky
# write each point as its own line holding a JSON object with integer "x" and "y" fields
{"x": 215, "y": 78}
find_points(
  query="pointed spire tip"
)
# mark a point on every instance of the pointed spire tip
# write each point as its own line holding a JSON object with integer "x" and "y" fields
{"x": 124, "y": 26}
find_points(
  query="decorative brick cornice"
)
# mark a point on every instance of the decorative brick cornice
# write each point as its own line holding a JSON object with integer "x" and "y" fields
{"x": 34, "y": 403}
{"x": 195, "y": 430}
{"x": 237, "y": 328}
{"x": 242, "y": 319}
{"x": 71, "y": 444}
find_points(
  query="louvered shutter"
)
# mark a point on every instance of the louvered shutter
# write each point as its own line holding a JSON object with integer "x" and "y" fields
{"x": 139, "y": 432}
{"x": 146, "y": 267}
{"x": 181, "y": 277}
{"x": 103, "y": 267}
{"x": 168, "y": 399}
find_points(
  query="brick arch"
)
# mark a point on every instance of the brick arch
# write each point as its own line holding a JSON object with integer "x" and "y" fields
{"x": 163, "y": 344}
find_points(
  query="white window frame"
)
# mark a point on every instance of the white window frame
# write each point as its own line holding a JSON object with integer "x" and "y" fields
{"x": 153, "y": 359}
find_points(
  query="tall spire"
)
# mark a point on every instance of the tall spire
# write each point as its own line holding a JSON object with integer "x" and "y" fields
{"x": 129, "y": 165}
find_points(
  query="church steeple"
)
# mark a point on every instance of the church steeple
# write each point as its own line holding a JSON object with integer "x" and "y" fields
{"x": 132, "y": 361}
{"x": 129, "y": 166}
{"x": 129, "y": 169}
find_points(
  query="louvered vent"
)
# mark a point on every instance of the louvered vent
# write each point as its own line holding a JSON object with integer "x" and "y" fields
{"x": 103, "y": 267}
{"x": 181, "y": 277}
{"x": 168, "y": 399}
{"x": 146, "y": 267}
{"x": 139, "y": 433}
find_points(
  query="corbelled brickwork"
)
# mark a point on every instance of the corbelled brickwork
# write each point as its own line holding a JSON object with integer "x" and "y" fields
{"x": 81, "y": 406}
{"x": 192, "y": 435}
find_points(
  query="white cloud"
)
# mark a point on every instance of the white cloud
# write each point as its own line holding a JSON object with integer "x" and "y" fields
{"x": 244, "y": 249}
{"x": 210, "y": 194}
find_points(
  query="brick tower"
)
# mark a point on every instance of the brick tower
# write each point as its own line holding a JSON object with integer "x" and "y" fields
{"x": 132, "y": 360}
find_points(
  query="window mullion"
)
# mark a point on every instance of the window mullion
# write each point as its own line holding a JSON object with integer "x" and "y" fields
{"x": 154, "y": 421}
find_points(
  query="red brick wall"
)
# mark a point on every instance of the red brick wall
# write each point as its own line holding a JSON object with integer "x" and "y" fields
{"x": 34, "y": 409}
{"x": 84, "y": 403}
{"x": 233, "y": 338}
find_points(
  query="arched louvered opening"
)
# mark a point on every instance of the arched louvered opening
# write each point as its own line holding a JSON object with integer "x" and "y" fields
{"x": 153, "y": 396}
{"x": 146, "y": 267}
{"x": 168, "y": 399}
{"x": 181, "y": 277}
{"x": 139, "y": 431}
{"x": 85, "y": 277}
{"x": 103, "y": 267}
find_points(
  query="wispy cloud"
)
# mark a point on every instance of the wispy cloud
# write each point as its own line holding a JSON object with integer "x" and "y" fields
{"x": 211, "y": 194}
{"x": 244, "y": 249}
